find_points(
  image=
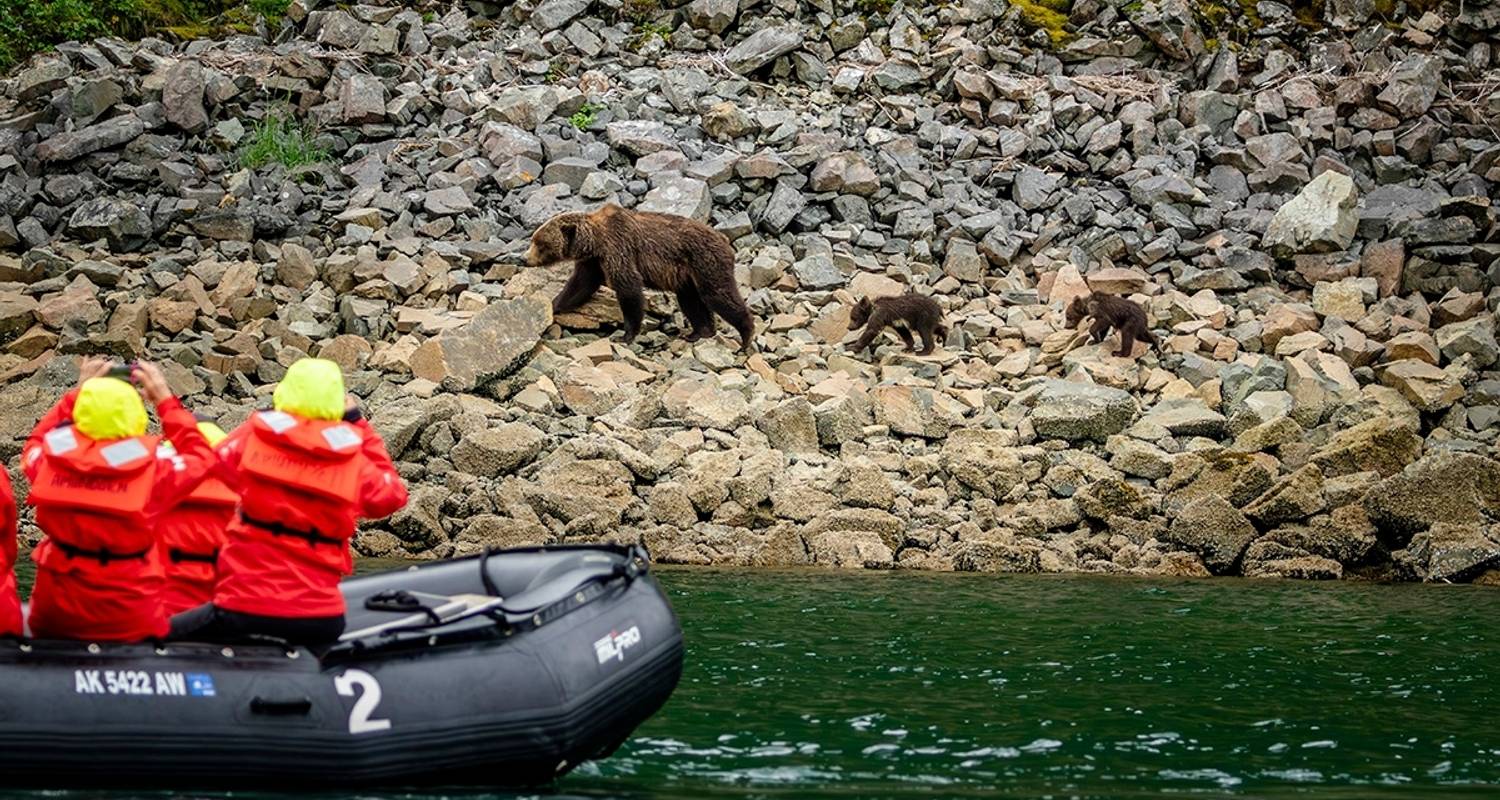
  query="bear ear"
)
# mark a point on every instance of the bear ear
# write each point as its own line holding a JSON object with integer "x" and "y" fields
{"x": 568, "y": 227}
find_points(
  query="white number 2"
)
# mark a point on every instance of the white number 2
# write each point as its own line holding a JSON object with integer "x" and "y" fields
{"x": 369, "y": 698}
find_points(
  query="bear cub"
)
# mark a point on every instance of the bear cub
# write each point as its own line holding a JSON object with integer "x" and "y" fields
{"x": 634, "y": 250}
{"x": 1108, "y": 312}
{"x": 905, "y": 314}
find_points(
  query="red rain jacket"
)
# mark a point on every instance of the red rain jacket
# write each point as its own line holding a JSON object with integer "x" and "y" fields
{"x": 99, "y": 576}
{"x": 303, "y": 484}
{"x": 188, "y": 540}
{"x": 10, "y": 601}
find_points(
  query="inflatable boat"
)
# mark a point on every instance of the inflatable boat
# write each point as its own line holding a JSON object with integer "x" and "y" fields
{"x": 507, "y": 668}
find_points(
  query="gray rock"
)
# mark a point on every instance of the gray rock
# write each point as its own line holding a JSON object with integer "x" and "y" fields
{"x": 1186, "y": 417}
{"x": 447, "y": 202}
{"x": 496, "y": 342}
{"x": 123, "y": 223}
{"x": 553, "y": 14}
{"x": 182, "y": 96}
{"x": 75, "y": 144}
{"x": 1444, "y": 487}
{"x": 790, "y": 426}
{"x": 1449, "y": 552}
{"x": 763, "y": 47}
{"x": 1033, "y": 187}
{"x": 1320, "y": 219}
{"x": 498, "y": 451}
{"x": 786, "y": 202}
{"x": 640, "y": 137}
{"x": 1079, "y": 411}
{"x": 912, "y": 411}
{"x": 713, "y": 16}
{"x": 525, "y": 107}
{"x": 44, "y": 76}
{"x": 984, "y": 461}
{"x": 1475, "y": 337}
{"x": 362, "y": 100}
{"x": 1214, "y": 529}
{"x": 1412, "y": 85}
{"x": 679, "y": 195}
{"x": 817, "y": 271}
{"x": 502, "y": 142}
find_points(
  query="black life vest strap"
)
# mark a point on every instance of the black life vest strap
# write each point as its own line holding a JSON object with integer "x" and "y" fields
{"x": 102, "y": 555}
{"x": 313, "y": 538}
{"x": 181, "y": 556}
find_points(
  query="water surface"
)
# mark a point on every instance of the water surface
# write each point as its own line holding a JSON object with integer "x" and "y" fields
{"x": 814, "y": 684}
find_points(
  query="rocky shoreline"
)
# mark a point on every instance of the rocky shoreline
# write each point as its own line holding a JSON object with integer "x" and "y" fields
{"x": 1300, "y": 196}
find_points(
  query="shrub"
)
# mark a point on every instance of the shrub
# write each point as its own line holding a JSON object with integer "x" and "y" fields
{"x": 280, "y": 139}
{"x": 272, "y": 10}
{"x": 30, "y": 26}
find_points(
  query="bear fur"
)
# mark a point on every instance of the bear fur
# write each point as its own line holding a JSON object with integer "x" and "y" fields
{"x": 1108, "y": 312}
{"x": 905, "y": 314}
{"x": 634, "y": 250}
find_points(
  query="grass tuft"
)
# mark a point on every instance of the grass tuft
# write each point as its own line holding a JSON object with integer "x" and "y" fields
{"x": 278, "y": 139}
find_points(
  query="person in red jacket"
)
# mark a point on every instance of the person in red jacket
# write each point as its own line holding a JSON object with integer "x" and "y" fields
{"x": 10, "y": 600}
{"x": 305, "y": 472}
{"x": 98, "y": 491}
{"x": 188, "y": 537}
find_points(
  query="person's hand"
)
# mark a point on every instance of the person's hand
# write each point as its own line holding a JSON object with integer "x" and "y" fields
{"x": 93, "y": 367}
{"x": 152, "y": 382}
{"x": 350, "y": 403}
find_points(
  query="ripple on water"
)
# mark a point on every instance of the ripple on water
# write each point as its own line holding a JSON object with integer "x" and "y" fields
{"x": 889, "y": 686}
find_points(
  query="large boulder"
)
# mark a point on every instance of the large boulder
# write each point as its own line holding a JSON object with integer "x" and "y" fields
{"x": 1455, "y": 488}
{"x": 1423, "y": 385}
{"x": 983, "y": 460}
{"x": 496, "y": 342}
{"x": 704, "y": 404}
{"x": 1382, "y": 445}
{"x": 1236, "y": 477}
{"x": 498, "y": 450}
{"x": 1215, "y": 529}
{"x": 1449, "y": 552}
{"x": 913, "y": 411}
{"x": 1291, "y": 499}
{"x": 1320, "y": 219}
{"x": 123, "y": 224}
{"x": 790, "y": 426}
{"x": 1186, "y": 416}
{"x": 69, "y": 145}
{"x": 1080, "y": 411}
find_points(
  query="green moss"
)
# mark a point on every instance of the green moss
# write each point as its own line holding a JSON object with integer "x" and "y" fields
{"x": 1047, "y": 15}
{"x": 281, "y": 139}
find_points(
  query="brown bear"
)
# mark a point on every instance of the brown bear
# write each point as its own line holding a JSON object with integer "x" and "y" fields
{"x": 1108, "y": 312}
{"x": 905, "y": 314}
{"x": 634, "y": 250}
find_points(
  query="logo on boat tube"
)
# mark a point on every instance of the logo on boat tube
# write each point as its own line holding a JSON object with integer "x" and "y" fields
{"x": 614, "y": 645}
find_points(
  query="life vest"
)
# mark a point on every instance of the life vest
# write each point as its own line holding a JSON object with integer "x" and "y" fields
{"x": 311, "y": 456}
{"x": 210, "y": 492}
{"x": 113, "y": 478}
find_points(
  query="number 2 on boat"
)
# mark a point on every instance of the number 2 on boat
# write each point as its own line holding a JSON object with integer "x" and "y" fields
{"x": 369, "y": 698}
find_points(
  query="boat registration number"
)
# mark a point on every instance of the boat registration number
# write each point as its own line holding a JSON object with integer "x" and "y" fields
{"x": 140, "y": 682}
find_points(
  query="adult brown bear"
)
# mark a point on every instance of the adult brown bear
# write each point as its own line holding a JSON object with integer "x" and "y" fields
{"x": 634, "y": 250}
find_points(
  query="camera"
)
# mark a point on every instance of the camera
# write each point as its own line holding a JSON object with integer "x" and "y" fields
{"x": 121, "y": 370}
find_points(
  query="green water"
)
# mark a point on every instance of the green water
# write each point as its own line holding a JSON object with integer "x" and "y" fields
{"x": 898, "y": 685}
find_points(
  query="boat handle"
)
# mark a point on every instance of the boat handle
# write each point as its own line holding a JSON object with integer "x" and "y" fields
{"x": 281, "y": 707}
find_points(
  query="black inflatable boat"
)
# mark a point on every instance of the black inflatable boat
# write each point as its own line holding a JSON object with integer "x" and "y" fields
{"x": 503, "y": 669}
